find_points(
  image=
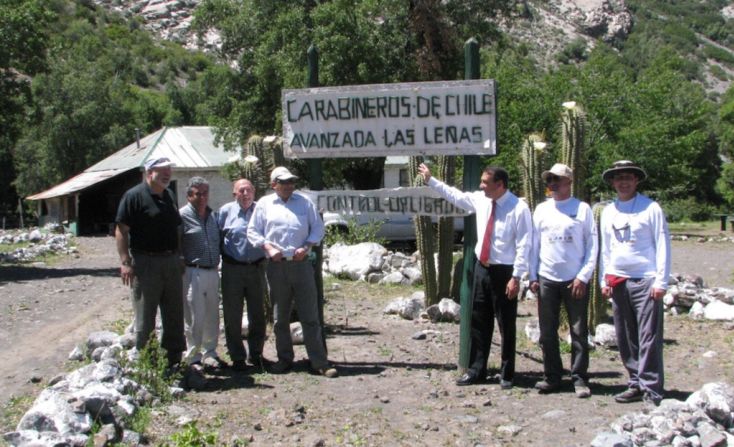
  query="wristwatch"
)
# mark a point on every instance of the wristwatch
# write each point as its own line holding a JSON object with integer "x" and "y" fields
{"x": 127, "y": 262}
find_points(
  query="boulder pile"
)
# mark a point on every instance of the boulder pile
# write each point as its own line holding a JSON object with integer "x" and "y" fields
{"x": 414, "y": 308}
{"x": 41, "y": 241}
{"x": 373, "y": 263}
{"x": 689, "y": 295}
{"x": 706, "y": 418}
{"x": 97, "y": 393}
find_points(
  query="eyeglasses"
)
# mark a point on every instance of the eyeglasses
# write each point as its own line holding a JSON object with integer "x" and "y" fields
{"x": 285, "y": 182}
{"x": 552, "y": 178}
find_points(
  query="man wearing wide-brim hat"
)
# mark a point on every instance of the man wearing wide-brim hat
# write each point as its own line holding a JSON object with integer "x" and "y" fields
{"x": 562, "y": 261}
{"x": 634, "y": 272}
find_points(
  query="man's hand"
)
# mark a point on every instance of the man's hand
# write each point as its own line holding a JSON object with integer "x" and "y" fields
{"x": 513, "y": 288}
{"x": 578, "y": 289}
{"x": 534, "y": 286}
{"x": 657, "y": 294}
{"x": 300, "y": 254}
{"x": 274, "y": 254}
{"x": 127, "y": 273}
{"x": 606, "y": 292}
{"x": 425, "y": 172}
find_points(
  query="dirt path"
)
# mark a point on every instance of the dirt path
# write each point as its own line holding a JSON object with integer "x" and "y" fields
{"x": 49, "y": 309}
{"x": 392, "y": 389}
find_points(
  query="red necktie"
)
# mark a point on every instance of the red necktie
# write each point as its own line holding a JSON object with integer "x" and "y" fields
{"x": 484, "y": 255}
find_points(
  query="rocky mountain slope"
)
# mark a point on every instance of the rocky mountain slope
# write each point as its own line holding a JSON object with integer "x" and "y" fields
{"x": 547, "y": 27}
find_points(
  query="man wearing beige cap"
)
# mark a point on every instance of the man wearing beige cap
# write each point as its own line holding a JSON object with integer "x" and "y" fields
{"x": 286, "y": 225}
{"x": 562, "y": 261}
{"x": 148, "y": 245}
{"x": 634, "y": 270}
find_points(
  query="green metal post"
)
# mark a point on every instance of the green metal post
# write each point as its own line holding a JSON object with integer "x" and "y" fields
{"x": 470, "y": 182}
{"x": 317, "y": 184}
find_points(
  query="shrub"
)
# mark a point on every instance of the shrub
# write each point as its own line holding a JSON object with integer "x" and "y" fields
{"x": 688, "y": 209}
{"x": 354, "y": 233}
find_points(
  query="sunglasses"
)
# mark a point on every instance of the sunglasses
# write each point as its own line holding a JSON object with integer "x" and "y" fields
{"x": 285, "y": 182}
{"x": 552, "y": 178}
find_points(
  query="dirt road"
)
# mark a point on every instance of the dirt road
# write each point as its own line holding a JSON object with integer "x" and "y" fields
{"x": 392, "y": 389}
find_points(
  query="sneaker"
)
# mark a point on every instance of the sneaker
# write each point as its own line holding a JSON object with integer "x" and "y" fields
{"x": 281, "y": 367}
{"x": 629, "y": 395}
{"x": 328, "y": 372}
{"x": 582, "y": 390}
{"x": 506, "y": 384}
{"x": 546, "y": 387}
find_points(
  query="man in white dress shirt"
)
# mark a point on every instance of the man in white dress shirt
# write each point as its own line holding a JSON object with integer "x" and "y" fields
{"x": 286, "y": 225}
{"x": 561, "y": 264}
{"x": 504, "y": 233}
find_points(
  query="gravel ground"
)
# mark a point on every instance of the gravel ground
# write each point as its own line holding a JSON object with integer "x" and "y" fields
{"x": 392, "y": 389}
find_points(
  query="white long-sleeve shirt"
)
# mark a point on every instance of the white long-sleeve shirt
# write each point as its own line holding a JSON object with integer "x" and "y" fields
{"x": 635, "y": 241}
{"x": 565, "y": 243}
{"x": 285, "y": 225}
{"x": 512, "y": 233}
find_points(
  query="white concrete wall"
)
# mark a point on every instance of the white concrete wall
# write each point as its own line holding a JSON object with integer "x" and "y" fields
{"x": 220, "y": 189}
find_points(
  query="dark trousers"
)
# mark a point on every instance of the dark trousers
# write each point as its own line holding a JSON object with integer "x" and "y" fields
{"x": 552, "y": 295}
{"x": 638, "y": 321}
{"x": 158, "y": 283}
{"x": 244, "y": 284}
{"x": 490, "y": 302}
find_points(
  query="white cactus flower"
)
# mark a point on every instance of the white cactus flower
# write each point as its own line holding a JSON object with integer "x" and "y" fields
{"x": 251, "y": 159}
{"x": 570, "y": 105}
{"x": 539, "y": 145}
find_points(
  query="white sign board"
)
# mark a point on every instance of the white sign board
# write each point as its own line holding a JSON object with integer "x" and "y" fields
{"x": 422, "y": 118}
{"x": 422, "y": 201}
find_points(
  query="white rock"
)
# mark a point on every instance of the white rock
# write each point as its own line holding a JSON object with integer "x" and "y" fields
{"x": 532, "y": 330}
{"x": 355, "y": 261}
{"x": 696, "y": 311}
{"x": 52, "y": 412}
{"x": 408, "y": 308}
{"x": 717, "y": 310}
{"x": 605, "y": 335}
{"x": 296, "y": 333}
{"x": 717, "y": 400}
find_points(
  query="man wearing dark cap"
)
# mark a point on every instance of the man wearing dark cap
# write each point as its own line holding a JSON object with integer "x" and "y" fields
{"x": 286, "y": 225}
{"x": 634, "y": 270}
{"x": 562, "y": 261}
{"x": 147, "y": 243}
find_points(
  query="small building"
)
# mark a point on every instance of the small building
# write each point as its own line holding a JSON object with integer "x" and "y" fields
{"x": 87, "y": 203}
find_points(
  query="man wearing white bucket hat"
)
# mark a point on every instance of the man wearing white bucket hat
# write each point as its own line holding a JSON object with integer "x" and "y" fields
{"x": 562, "y": 261}
{"x": 634, "y": 272}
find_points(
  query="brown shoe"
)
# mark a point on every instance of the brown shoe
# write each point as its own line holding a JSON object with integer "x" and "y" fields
{"x": 629, "y": 395}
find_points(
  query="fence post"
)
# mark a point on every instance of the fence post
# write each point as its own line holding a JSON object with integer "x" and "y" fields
{"x": 470, "y": 181}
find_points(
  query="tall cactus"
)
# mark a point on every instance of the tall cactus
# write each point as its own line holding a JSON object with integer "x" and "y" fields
{"x": 445, "y": 242}
{"x": 534, "y": 156}
{"x": 424, "y": 238}
{"x": 256, "y": 159}
{"x": 597, "y": 303}
{"x": 573, "y": 146}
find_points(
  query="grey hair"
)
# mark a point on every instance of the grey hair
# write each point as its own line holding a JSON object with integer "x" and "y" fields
{"x": 195, "y": 182}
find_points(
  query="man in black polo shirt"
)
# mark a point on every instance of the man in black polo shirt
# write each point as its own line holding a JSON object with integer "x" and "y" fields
{"x": 147, "y": 242}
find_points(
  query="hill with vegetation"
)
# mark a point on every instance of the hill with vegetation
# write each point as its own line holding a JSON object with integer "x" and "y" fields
{"x": 654, "y": 78}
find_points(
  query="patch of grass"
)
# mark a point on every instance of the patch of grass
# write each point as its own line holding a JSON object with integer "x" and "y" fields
{"x": 191, "y": 436}
{"x": 118, "y": 326}
{"x": 564, "y": 347}
{"x": 140, "y": 420}
{"x": 13, "y": 410}
{"x": 384, "y": 350}
{"x": 150, "y": 369}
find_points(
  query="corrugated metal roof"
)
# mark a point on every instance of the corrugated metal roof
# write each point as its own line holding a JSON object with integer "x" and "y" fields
{"x": 77, "y": 183}
{"x": 189, "y": 147}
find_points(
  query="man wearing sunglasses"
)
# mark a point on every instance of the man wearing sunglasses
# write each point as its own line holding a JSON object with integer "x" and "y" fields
{"x": 562, "y": 261}
{"x": 634, "y": 270}
{"x": 286, "y": 225}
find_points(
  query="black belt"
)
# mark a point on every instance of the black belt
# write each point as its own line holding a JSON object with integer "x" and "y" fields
{"x": 203, "y": 267}
{"x": 231, "y": 260}
{"x": 153, "y": 253}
